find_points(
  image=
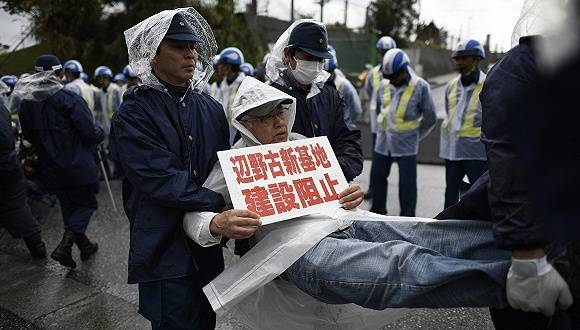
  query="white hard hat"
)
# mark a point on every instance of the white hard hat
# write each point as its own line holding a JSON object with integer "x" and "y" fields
{"x": 394, "y": 61}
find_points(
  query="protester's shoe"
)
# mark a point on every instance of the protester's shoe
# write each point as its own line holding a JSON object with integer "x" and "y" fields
{"x": 62, "y": 253}
{"x": 568, "y": 266}
{"x": 86, "y": 247}
{"x": 36, "y": 246}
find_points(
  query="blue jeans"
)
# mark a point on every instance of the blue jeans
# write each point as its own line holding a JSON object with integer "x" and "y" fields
{"x": 407, "y": 183}
{"x": 394, "y": 264}
{"x": 455, "y": 170}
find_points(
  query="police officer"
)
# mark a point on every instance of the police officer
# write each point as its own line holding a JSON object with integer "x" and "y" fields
{"x": 111, "y": 91}
{"x": 298, "y": 71}
{"x": 15, "y": 214}
{"x": 229, "y": 63}
{"x": 371, "y": 86}
{"x": 167, "y": 138}
{"x": 59, "y": 125}
{"x": 346, "y": 90}
{"x": 460, "y": 145}
{"x": 72, "y": 71}
{"x": 407, "y": 116}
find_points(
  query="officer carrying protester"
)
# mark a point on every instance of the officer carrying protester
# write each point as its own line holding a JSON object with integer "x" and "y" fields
{"x": 60, "y": 127}
{"x": 407, "y": 116}
{"x": 460, "y": 145}
{"x": 296, "y": 67}
{"x": 15, "y": 215}
{"x": 167, "y": 133}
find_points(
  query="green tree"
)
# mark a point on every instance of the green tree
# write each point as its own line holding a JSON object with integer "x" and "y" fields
{"x": 88, "y": 30}
{"x": 431, "y": 35}
{"x": 396, "y": 18}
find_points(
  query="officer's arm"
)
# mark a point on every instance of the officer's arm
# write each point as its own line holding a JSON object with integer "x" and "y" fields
{"x": 428, "y": 112}
{"x": 346, "y": 143}
{"x": 368, "y": 84}
{"x": 82, "y": 119}
{"x": 354, "y": 102}
{"x": 155, "y": 170}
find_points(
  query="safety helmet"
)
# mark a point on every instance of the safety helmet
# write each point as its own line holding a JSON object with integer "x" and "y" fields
{"x": 85, "y": 77}
{"x": 394, "y": 61}
{"x": 232, "y": 55}
{"x": 128, "y": 72}
{"x": 331, "y": 63}
{"x": 331, "y": 50}
{"x": 119, "y": 77}
{"x": 9, "y": 80}
{"x": 247, "y": 68}
{"x": 385, "y": 43}
{"x": 469, "y": 47}
{"x": 215, "y": 60}
{"x": 103, "y": 71}
{"x": 73, "y": 66}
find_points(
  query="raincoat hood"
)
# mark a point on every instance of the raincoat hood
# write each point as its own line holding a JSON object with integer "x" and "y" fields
{"x": 253, "y": 93}
{"x": 144, "y": 38}
{"x": 38, "y": 87}
{"x": 275, "y": 66}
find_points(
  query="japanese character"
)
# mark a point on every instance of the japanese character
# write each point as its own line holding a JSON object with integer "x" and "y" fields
{"x": 257, "y": 200}
{"x": 283, "y": 197}
{"x": 242, "y": 169}
{"x": 307, "y": 191}
{"x": 320, "y": 155}
{"x": 328, "y": 187}
{"x": 273, "y": 164}
{"x": 305, "y": 159}
{"x": 258, "y": 166}
{"x": 290, "y": 161}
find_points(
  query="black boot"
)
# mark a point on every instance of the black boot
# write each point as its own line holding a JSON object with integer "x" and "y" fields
{"x": 62, "y": 253}
{"x": 36, "y": 246}
{"x": 86, "y": 247}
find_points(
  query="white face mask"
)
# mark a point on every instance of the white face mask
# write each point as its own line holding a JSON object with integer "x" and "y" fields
{"x": 306, "y": 71}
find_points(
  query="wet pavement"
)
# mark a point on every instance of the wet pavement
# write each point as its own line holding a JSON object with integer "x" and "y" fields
{"x": 96, "y": 296}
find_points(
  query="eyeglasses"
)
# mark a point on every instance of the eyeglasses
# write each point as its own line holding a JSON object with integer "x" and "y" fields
{"x": 278, "y": 113}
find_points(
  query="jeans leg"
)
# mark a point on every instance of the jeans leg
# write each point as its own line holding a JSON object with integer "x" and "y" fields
{"x": 380, "y": 186}
{"x": 474, "y": 169}
{"x": 397, "y": 274}
{"x": 453, "y": 175}
{"x": 407, "y": 185}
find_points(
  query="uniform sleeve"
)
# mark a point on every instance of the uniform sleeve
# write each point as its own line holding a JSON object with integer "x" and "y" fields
{"x": 152, "y": 168}
{"x": 353, "y": 101}
{"x": 369, "y": 83}
{"x": 73, "y": 88}
{"x": 346, "y": 144}
{"x": 80, "y": 114}
{"x": 428, "y": 112}
{"x": 503, "y": 96}
{"x": 9, "y": 168}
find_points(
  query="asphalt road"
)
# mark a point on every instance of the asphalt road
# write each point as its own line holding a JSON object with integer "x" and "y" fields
{"x": 107, "y": 271}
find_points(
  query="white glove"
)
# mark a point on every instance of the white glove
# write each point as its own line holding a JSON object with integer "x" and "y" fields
{"x": 533, "y": 285}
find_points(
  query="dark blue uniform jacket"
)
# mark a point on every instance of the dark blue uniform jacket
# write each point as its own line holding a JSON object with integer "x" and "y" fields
{"x": 167, "y": 148}
{"x": 9, "y": 166}
{"x": 323, "y": 114}
{"x": 63, "y": 133}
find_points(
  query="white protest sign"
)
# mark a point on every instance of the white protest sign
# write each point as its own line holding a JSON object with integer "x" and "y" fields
{"x": 284, "y": 180}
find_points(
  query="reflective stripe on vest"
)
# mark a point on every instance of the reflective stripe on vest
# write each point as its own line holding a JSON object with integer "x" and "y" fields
{"x": 110, "y": 102}
{"x": 87, "y": 95}
{"x": 386, "y": 103}
{"x": 467, "y": 127}
{"x": 233, "y": 91}
{"x": 402, "y": 125}
{"x": 376, "y": 78}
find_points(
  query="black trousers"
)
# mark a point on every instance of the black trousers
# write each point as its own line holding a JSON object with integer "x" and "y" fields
{"x": 176, "y": 304}
{"x": 15, "y": 214}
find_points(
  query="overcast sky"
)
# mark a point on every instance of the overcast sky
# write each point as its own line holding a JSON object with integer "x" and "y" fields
{"x": 468, "y": 19}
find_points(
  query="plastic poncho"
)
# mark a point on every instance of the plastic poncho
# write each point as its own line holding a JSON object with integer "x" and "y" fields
{"x": 461, "y": 129}
{"x": 38, "y": 87}
{"x": 144, "y": 38}
{"x": 246, "y": 289}
{"x": 558, "y": 22}
{"x": 276, "y": 64}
